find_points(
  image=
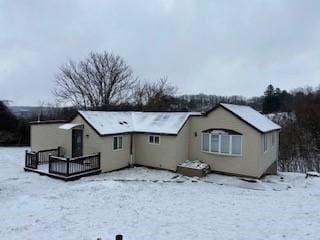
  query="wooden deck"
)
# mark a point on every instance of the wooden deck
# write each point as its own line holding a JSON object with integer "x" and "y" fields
{"x": 49, "y": 163}
{"x": 62, "y": 177}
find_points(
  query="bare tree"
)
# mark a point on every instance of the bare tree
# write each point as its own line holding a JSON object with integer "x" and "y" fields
{"x": 139, "y": 94}
{"x": 99, "y": 80}
{"x": 158, "y": 95}
{"x": 160, "y": 88}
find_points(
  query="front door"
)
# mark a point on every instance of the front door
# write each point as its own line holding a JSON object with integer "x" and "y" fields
{"x": 77, "y": 142}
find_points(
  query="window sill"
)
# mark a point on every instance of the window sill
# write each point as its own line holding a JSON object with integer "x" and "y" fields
{"x": 117, "y": 150}
{"x": 223, "y": 154}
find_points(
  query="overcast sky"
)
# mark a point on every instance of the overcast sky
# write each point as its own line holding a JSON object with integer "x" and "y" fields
{"x": 214, "y": 47}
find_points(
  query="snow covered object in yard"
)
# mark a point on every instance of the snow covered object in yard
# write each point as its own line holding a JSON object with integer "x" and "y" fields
{"x": 312, "y": 174}
{"x": 193, "y": 168}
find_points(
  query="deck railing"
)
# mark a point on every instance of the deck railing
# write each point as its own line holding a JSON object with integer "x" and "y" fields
{"x": 72, "y": 166}
{"x": 43, "y": 155}
{"x": 33, "y": 159}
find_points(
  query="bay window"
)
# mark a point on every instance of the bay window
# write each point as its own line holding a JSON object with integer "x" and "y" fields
{"x": 214, "y": 143}
{"x": 225, "y": 144}
{"x": 222, "y": 142}
{"x": 236, "y": 144}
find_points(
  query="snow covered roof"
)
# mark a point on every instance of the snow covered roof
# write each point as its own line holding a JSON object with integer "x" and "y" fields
{"x": 252, "y": 117}
{"x": 68, "y": 126}
{"x": 113, "y": 122}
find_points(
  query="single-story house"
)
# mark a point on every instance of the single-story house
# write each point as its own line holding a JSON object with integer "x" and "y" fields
{"x": 232, "y": 139}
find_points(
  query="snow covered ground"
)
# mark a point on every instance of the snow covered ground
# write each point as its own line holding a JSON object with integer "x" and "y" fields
{"x": 150, "y": 204}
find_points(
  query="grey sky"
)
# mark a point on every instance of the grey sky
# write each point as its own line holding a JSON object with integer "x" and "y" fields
{"x": 215, "y": 47}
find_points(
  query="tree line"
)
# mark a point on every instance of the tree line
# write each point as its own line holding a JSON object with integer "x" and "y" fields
{"x": 300, "y": 133}
{"x": 13, "y": 130}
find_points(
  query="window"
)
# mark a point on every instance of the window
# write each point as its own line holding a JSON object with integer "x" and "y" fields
{"x": 154, "y": 139}
{"x": 236, "y": 145}
{"x": 225, "y": 144}
{"x": 265, "y": 143}
{"x": 205, "y": 142}
{"x": 117, "y": 142}
{"x": 214, "y": 143}
{"x": 273, "y": 138}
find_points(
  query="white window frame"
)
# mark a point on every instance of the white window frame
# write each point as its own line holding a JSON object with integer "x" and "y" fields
{"x": 241, "y": 142}
{"x": 230, "y": 143}
{"x": 208, "y": 140}
{"x": 117, "y": 137}
{"x": 219, "y": 152}
{"x": 154, "y": 141}
{"x": 219, "y": 143}
{"x": 265, "y": 143}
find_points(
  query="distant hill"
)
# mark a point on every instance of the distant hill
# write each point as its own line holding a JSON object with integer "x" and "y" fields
{"x": 26, "y": 111}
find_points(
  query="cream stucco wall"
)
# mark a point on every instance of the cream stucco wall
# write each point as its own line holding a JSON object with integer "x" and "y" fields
{"x": 166, "y": 155}
{"x": 182, "y": 152}
{"x": 49, "y": 136}
{"x": 93, "y": 143}
{"x": 271, "y": 155}
{"x": 247, "y": 164}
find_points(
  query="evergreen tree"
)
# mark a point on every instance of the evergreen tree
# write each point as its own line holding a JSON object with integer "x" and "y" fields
{"x": 268, "y": 101}
{"x": 272, "y": 100}
{"x": 8, "y": 121}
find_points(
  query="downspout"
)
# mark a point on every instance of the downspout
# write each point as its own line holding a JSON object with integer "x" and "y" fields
{"x": 131, "y": 150}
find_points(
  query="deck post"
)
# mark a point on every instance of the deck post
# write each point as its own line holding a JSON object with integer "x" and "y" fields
{"x": 99, "y": 155}
{"x": 37, "y": 159}
{"x": 68, "y": 161}
{"x": 25, "y": 160}
{"x": 49, "y": 162}
{"x": 58, "y": 151}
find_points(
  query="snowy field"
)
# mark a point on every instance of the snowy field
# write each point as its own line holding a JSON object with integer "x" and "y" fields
{"x": 150, "y": 204}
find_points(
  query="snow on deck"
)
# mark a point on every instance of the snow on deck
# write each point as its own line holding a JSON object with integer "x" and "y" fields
{"x": 112, "y": 122}
{"x": 252, "y": 116}
{"x": 143, "y": 204}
